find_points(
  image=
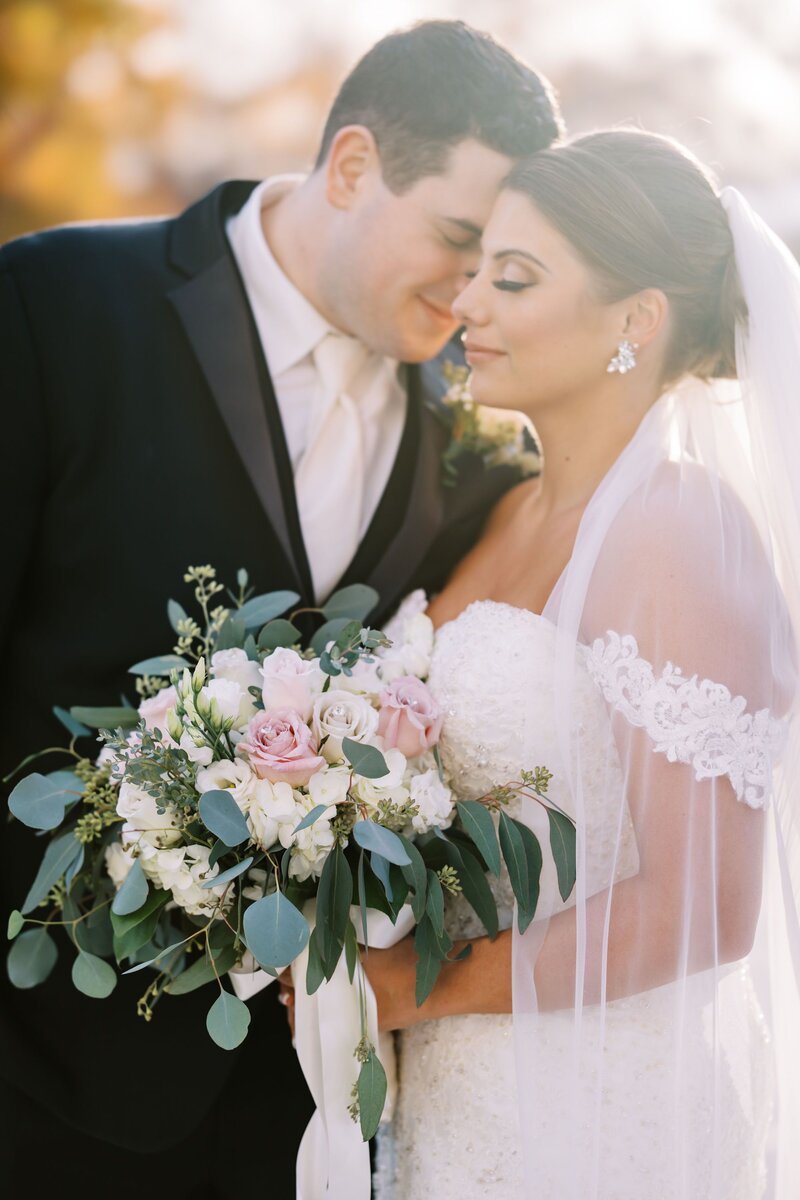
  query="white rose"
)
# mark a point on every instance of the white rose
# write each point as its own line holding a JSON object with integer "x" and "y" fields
{"x": 119, "y": 861}
{"x": 434, "y": 801}
{"x": 339, "y": 714}
{"x": 234, "y": 664}
{"x": 143, "y": 819}
{"x": 364, "y": 679}
{"x": 290, "y": 681}
{"x": 271, "y": 813}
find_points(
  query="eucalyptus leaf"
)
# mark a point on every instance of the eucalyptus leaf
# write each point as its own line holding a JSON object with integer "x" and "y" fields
{"x": 217, "y": 851}
{"x": 105, "y": 718}
{"x": 371, "y": 836}
{"x": 163, "y": 664}
{"x": 328, "y": 633}
{"x": 278, "y": 633}
{"x": 311, "y": 817}
{"x": 564, "y": 850}
{"x": 15, "y": 924}
{"x": 533, "y": 855}
{"x": 362, "y": 900}
{"x": 92, "y": 976}
{"x": 31, "y": 958}
{"x": 227, "y": 1021}
{"x": 175, "y": 614}
{"x": 221, "y": 815}
{"x": 95, "y": 934}
{"x": 315, "y": 971}
{"x": 334, "y": 897}
{"x": 74, "y": 786}
{"x": 275, "y": 931}
{"x": 416, "y": 875}
{"x": 232, "y": 635}
{"x": 201, "y": 972}
{"x": 371, "y": 1094}
{"x": 513, "y": 848}
{"x": 133, "y": 893}
{"x": 380, "y": 867}
{"x": 435, "y": 903}
{"x": 134, "y": 930}
{"x": 149, "y": 962}
{"x": 477, "y": 892}
{"x": 261, "y": 609}
{"x": 353, "y": 602}
{"x": 40, "y": 802}
{"x": 231, "y": 873}
{"x": 58, "y": 856}
{"x": 365, "y": 760}
{"x": 74, "y": 867}
{"x": 351, "y": 949}
{"x": 478, "y": 823}
{"x": 429, "y": 959}
{"x": 73, "y": 727}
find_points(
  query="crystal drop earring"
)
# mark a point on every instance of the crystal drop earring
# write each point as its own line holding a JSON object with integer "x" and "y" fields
{"x": 625, "y": 358}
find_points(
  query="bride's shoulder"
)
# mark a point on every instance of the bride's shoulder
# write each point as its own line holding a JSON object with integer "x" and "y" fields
{"x": 510, "y": 503}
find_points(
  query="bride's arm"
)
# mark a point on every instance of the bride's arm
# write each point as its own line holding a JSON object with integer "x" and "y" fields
{"x": 649, "y": 935}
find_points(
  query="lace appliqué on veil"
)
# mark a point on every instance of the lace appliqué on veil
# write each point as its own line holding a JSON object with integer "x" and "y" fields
{"x": 694, "y": 721}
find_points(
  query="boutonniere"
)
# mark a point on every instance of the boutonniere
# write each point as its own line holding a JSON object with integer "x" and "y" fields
{"x": 498, "y": 437}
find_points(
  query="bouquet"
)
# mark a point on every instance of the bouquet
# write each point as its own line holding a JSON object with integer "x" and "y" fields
{"x": 259, "y": 775}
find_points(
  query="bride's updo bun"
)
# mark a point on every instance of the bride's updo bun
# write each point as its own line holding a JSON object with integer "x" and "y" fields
{"x": 642, "y": 212}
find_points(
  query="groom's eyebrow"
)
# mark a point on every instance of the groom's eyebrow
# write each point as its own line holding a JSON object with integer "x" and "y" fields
{"x": 515, "y": 253}
{"x": 468, "y": 226}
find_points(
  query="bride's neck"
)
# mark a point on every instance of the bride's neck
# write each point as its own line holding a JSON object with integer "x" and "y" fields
{"x": 581, "y": 441}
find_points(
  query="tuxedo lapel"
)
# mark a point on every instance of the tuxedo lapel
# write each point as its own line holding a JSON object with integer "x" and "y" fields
{"x": 212, "y": 307}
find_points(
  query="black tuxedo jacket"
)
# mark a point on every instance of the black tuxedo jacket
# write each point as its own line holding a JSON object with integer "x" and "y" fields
{"x": 141, "y": 435}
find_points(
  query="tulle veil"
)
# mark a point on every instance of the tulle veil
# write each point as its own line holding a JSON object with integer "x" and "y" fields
{"x": 681, "y": 604}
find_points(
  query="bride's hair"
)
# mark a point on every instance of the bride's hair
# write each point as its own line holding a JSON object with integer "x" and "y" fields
{"x": 642, "y": 212}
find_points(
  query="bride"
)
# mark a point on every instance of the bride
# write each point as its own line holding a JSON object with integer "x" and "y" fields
{"x": 628, "y": 620}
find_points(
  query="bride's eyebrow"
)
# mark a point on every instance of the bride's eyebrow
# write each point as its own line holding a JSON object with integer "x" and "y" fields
{"x": 515, "y": 253}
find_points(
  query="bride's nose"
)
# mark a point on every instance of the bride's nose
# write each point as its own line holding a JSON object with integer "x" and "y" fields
{"x": 469, "y": 306}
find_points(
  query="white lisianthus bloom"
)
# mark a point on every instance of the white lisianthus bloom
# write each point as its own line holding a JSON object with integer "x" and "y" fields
{"x": 234, "y": 664}
{"x": 235, "y": 704}
{"x": 411, "y": 653}
{"x": 143, "y": 822}
{"x": 181, "y": 871}
{"x": 119, "y": 860}
{"x": 202, "y": 755}
{"x": 271, "y": 813}
{"x": 339, "y": 714}
{"x": 291, "y": 681}
{"x": 311, "y": 846}
{"x": 434, "y": 800}
{"x": 229, "y": 775}
{"x": 329, "y": 786}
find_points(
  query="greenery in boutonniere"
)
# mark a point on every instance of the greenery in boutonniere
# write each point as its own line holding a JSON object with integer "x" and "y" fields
{"x": 497, "y": 437}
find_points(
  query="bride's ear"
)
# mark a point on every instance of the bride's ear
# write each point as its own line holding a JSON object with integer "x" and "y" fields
{"x": 646, "y": 316}
{"x": 352, "y": 162}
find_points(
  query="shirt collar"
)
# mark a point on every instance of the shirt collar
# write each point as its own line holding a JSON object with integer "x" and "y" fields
{"x": 288, "y": 324}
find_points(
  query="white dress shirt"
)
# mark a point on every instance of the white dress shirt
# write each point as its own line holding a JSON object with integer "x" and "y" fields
{"x": 290, "y": 329}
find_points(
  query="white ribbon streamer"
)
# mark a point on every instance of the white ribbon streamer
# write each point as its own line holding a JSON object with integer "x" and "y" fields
{"x": 333, "y": 1160}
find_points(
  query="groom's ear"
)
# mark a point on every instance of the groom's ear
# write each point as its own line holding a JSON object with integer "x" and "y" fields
{"x": 352, "y": 164}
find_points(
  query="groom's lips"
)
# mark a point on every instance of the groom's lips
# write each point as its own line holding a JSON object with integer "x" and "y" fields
{"x": 475, "y": 353}
{"x": 441, "y": 314}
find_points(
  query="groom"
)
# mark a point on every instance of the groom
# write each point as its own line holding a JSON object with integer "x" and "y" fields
{"x": 224, "y": 387}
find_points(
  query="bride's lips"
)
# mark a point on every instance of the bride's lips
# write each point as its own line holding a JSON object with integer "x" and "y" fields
{"x": 475, "y": 353}
{"x": 440, "y": 313}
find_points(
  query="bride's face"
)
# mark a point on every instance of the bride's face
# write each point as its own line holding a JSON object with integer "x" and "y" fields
{"x": 536, "y": 333}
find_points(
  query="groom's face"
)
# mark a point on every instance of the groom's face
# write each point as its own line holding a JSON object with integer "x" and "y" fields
{"x": 398, "y": 262}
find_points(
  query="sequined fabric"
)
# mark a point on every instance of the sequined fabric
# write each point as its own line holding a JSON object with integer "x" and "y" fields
{"x": 455, "y": 1134}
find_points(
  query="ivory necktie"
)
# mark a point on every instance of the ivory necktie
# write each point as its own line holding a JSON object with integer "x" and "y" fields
{"x": 329, "y": 482}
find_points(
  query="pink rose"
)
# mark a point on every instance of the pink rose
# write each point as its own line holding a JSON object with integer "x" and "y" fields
{"x": 290, "y": 681}
{"x": 410, "y": 719}
{"x": 281, "y": 748}
{"x": 154, "y": 711}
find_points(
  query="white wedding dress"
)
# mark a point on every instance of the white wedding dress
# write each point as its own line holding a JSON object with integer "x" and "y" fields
{"x": 456, "y": 1129}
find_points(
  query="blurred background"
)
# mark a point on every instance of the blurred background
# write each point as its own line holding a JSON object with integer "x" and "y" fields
{"x": 117, "y": 107}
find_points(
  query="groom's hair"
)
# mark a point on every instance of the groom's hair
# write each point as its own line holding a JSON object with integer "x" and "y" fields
{"x": 422, "y": 91}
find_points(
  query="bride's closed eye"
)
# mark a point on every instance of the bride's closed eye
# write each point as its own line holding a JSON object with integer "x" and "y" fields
{"x": 511, "y": 285}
